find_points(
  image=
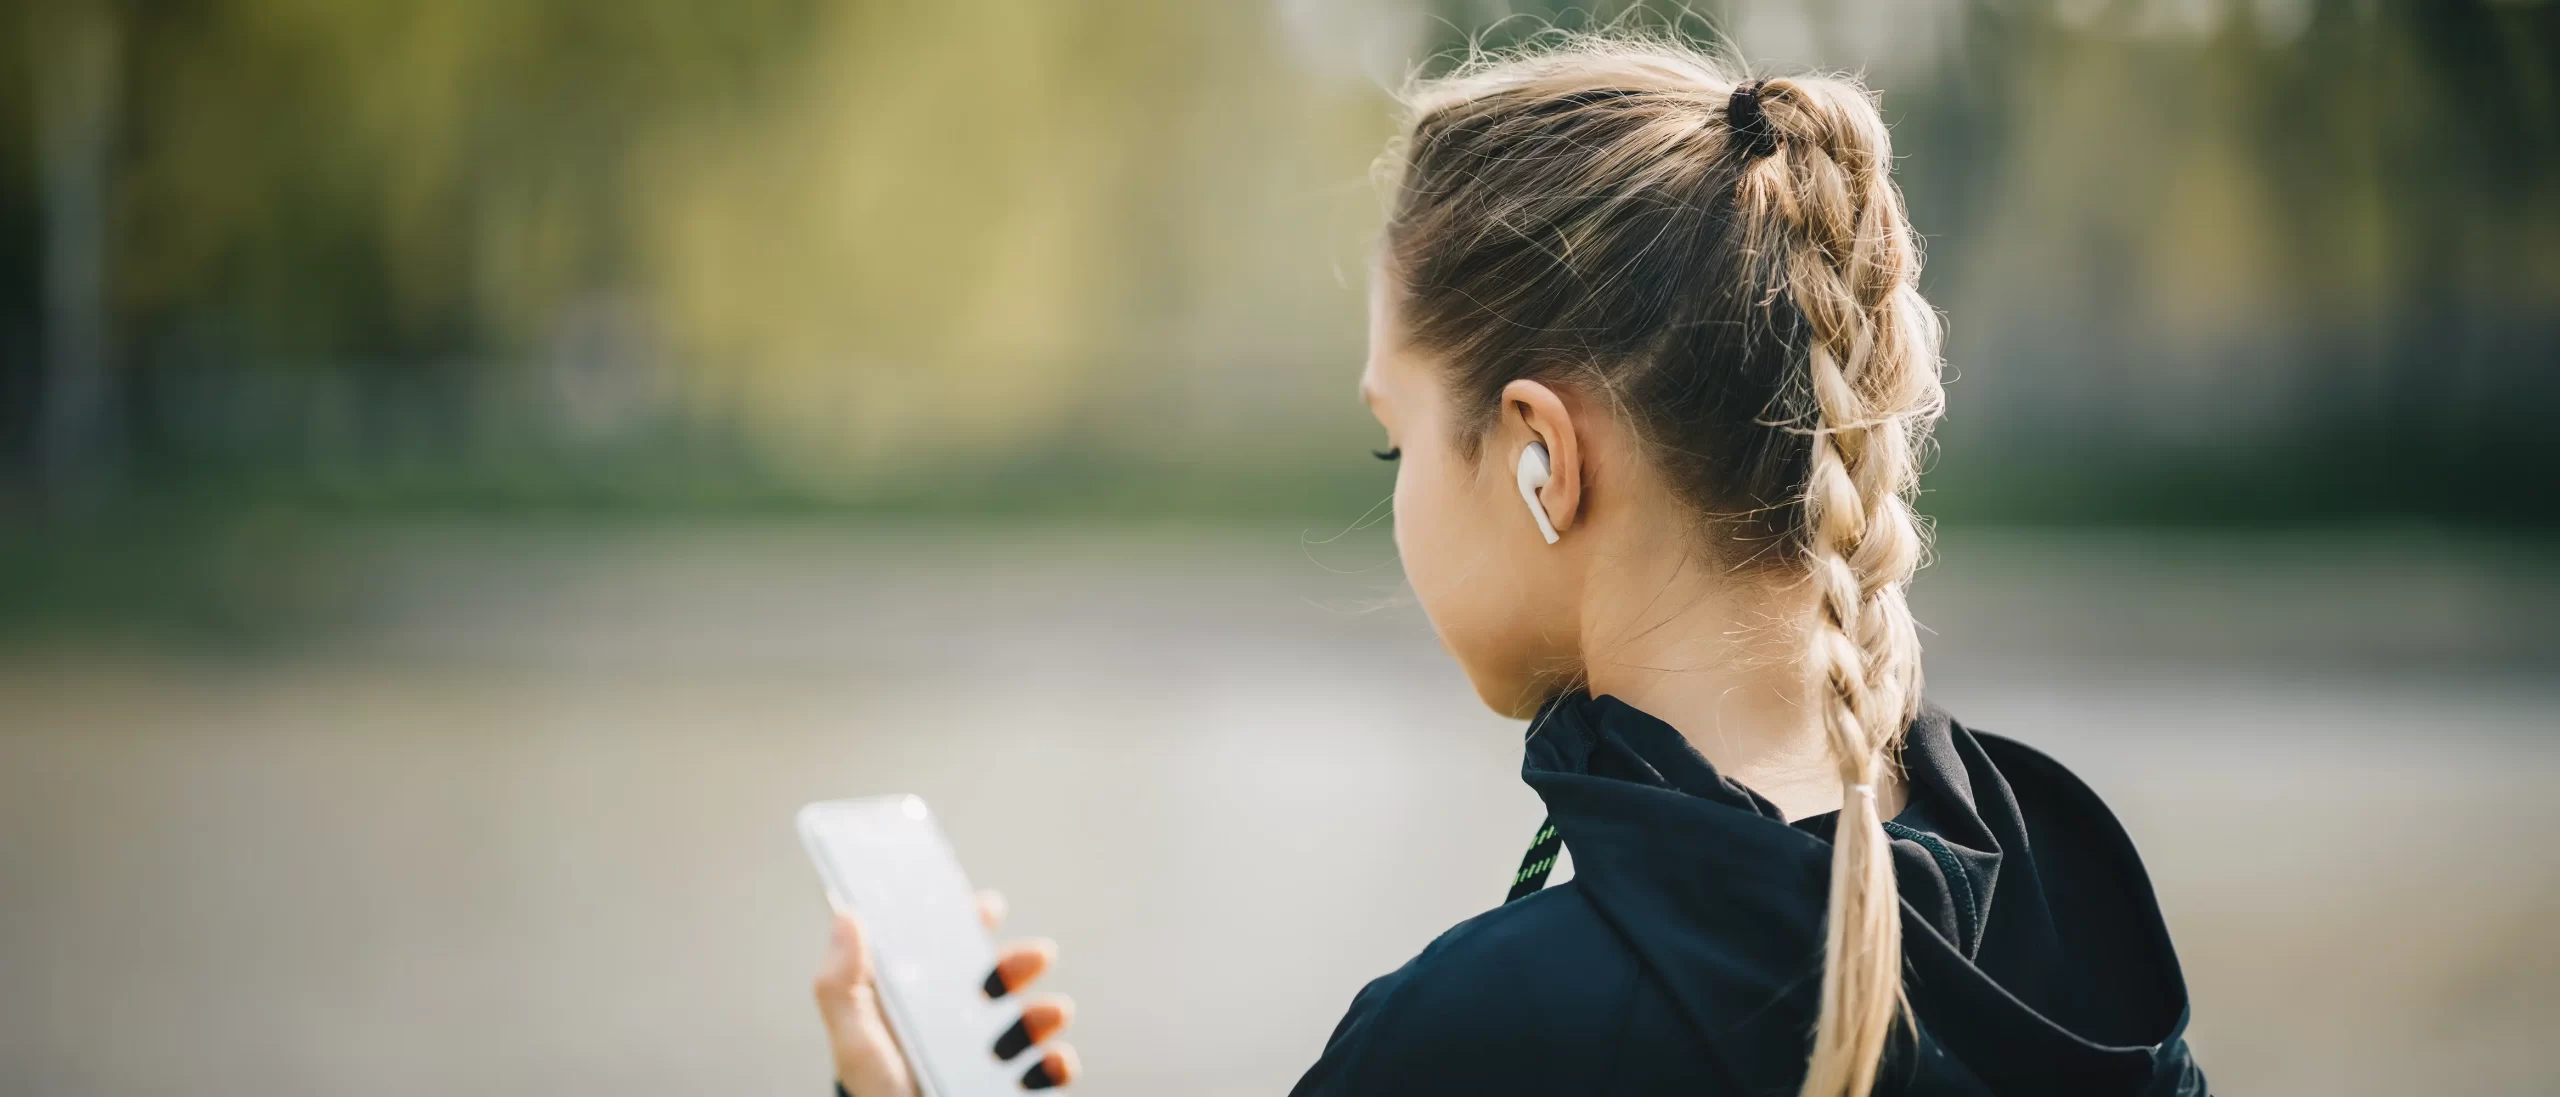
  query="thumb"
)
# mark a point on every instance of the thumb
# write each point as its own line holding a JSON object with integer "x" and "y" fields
{"x": 846, "y": 969}
{"x": 866, "y": 1053}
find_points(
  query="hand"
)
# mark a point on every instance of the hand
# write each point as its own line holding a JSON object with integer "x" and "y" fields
{"x": 868, "y": 1062}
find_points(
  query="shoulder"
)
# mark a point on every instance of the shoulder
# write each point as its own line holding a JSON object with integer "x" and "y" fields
{"x": 2083, "y": 867}
{"x": 2035, "y": 808}
{"x": 2054, "y": 802}
{"x": 1539, "y": 965}
{"x": 2017, "y": 759}
{"x": 2065, "y": 819}
{"x": 1528, "y": 997}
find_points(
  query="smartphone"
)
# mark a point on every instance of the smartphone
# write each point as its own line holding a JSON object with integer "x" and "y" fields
{"x": 883, "y": 858}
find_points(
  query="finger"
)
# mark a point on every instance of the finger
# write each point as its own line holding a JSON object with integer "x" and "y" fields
{"x": 1019, "y": 964}
{"x": 1040, "y": 1020}
{"x": 1056, "y": 1068}
{"x": 991, "y": 908}
{"x": 865, "y": 1051}
{"x": 847, "y": 964}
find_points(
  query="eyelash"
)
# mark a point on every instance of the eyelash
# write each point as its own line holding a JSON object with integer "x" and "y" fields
{"x": 1387, "y": 454}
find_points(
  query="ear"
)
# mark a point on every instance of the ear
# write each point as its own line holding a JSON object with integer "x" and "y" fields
{"x": 1533, "y": 412}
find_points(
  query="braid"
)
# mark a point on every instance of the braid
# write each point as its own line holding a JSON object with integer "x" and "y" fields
{"x": 1823, "y": 203}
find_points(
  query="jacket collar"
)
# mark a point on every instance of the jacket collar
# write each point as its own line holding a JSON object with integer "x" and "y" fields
{"x": 1714, "y": 890}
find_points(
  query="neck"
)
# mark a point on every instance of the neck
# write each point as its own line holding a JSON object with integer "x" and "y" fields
{"x": 1719, "y": 656}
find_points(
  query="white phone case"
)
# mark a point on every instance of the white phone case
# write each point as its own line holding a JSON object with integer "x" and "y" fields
{"x": 883, "y": 858}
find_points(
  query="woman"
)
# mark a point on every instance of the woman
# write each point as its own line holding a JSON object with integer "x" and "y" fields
{"x": 1647, "y": 341}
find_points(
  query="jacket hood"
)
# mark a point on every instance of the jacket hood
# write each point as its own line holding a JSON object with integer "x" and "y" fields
{"x": 2031, "y": 967}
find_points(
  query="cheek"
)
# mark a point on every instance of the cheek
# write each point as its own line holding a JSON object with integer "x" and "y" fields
{"x": 1450, "y": 562}
{"x": 1428, "y": 517}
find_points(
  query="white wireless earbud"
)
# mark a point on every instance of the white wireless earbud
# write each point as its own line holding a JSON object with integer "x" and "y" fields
{"x": 1534, "y": 474}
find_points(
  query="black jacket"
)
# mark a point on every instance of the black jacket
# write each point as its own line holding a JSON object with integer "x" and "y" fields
{"x": 1683, "y": 956}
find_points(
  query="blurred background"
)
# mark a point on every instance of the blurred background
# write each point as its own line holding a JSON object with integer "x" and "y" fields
{"x": 469, "y": 469}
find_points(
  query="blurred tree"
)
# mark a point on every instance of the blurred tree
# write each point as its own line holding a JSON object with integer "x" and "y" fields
{"x": 2204, "y": 257}
{"x": 381, "y": 188}
{"x": 76, "y": 58}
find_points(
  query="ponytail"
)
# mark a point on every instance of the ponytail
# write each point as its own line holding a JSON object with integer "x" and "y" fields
{"x": 1820, "y": 198}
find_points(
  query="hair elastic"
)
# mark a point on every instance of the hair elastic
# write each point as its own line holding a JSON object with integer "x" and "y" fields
{"x": 1749, "y": 122}
{"x": 1868, "y": 791}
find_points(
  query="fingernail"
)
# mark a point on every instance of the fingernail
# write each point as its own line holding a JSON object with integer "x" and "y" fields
{"x": 1014, "y": 1040}
{"x": 995, "y": 984}
{"x": 1039, "y": 1076}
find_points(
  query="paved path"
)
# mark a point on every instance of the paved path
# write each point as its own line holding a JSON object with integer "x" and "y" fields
{"x": 515, "y": 819}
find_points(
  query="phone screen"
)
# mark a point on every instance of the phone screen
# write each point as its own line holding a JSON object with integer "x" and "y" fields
{"x": 884, "y": 859}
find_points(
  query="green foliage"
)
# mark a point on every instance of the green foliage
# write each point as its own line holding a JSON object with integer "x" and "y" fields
{"x": 828, "y": 250}
{"x": 401, "y": 180}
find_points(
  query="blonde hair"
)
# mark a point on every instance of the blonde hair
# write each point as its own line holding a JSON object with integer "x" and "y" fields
{"x": 1608, "y": 210}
